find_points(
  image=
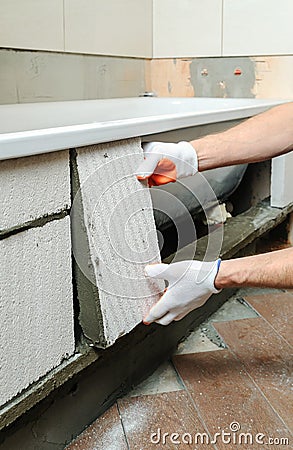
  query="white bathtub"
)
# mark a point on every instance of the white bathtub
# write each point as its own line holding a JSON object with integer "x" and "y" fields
{"x": 30, "y": 129}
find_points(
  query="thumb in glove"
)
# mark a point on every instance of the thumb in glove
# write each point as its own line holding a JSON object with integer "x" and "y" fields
{"x": 190, "y": 284}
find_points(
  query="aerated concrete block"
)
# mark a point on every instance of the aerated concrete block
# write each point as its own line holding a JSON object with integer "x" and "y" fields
{"x": 281, "y": 180}
{"x": 36, "y": 305}
{"x": 33, "y": 187}
{"x": 114, "y": 237}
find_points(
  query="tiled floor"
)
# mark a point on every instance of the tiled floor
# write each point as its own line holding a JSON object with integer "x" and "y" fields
{"x": 233, "y": 375}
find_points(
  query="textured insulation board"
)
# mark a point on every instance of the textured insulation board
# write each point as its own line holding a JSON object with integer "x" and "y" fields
{"x": 114, "y": 238}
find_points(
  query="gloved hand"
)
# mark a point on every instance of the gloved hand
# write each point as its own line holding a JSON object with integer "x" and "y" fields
{"x": 165, "y": 162}
{"x": 191, "y": 283}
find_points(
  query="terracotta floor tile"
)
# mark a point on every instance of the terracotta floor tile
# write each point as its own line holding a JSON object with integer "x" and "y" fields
{"x": 267, "y": 358}
{"x": 171, "y": 412}
{"x": 277, "y": 309}
{"x": 224, "y": 394}
{"x": 106, "y": 433}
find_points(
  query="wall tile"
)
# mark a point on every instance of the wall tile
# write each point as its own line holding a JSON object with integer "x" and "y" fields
{"x": 34, "y": 24}
{"x": 109, "y": 27}
{"x": 187, "y": 28}
{"x": 262, "y": 27}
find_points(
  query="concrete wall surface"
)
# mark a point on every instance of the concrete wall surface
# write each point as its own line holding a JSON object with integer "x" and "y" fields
{"x": 36, "y": 308}
{"x": 27, "y": 76}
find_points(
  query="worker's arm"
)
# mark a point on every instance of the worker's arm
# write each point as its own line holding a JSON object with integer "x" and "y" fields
{"x": 261, "y": 137}
{"x": 191, "y": 283}
{"x": 274, "y": 269}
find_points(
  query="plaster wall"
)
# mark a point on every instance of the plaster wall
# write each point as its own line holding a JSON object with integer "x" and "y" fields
{"x": 36, "y": 308}
{"x": 27, "y": 76}
{"x": 259, "y": 77}
{"x": 33, "y": 187}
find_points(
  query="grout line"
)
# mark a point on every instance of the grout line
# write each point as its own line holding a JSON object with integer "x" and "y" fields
{"x": 179, "y": 379}
{"x": 122, "y": 424}
{"x": 35, "y": 223}
{"x": 64, "y": 25}
{"x": 242, "y": 301}
{"x": 222, "y": 28}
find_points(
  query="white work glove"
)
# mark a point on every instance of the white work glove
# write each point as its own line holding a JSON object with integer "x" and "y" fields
{"x": 165, "y": 162}
{"x": 191, "y": 283}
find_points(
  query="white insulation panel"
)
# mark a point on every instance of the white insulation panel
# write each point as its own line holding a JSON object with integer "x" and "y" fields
{"x": 120, "y": 228}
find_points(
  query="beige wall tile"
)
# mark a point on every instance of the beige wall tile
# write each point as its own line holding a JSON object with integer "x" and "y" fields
{"x": 257, "y": 27}
{"x": 33, "y": 24}
{"x": 187, "y": 28}
{"x": 111, "y": 27}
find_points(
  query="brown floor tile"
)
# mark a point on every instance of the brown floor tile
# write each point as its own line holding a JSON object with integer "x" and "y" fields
{"x": 225, "y": 395}
{"x": 267, "y": 358}
{"x": 171, "y": 412}
{"x": 277, "y": 309}
{"x": 106, "y": 433}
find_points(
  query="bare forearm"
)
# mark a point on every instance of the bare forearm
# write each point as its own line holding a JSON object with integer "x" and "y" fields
{"x": 274, "y": 269}
{"x": 261, "y": 137}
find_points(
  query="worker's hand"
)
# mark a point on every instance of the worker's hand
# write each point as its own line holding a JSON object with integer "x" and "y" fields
{"x": 165, "y": 162}
{"x": 191, "y": 283}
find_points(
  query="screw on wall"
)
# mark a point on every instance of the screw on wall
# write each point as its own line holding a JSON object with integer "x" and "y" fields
{"x": 237, "y": 71}
{"x": 204, "y": 72}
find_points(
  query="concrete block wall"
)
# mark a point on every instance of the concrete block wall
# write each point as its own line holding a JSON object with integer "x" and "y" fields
{"x": 114, "y": 237}
{"x": 36, "y": 298}
{"x": 36, "y": 320}
{"x": 281, "y": 185}
{"x": 33, "y": 188}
